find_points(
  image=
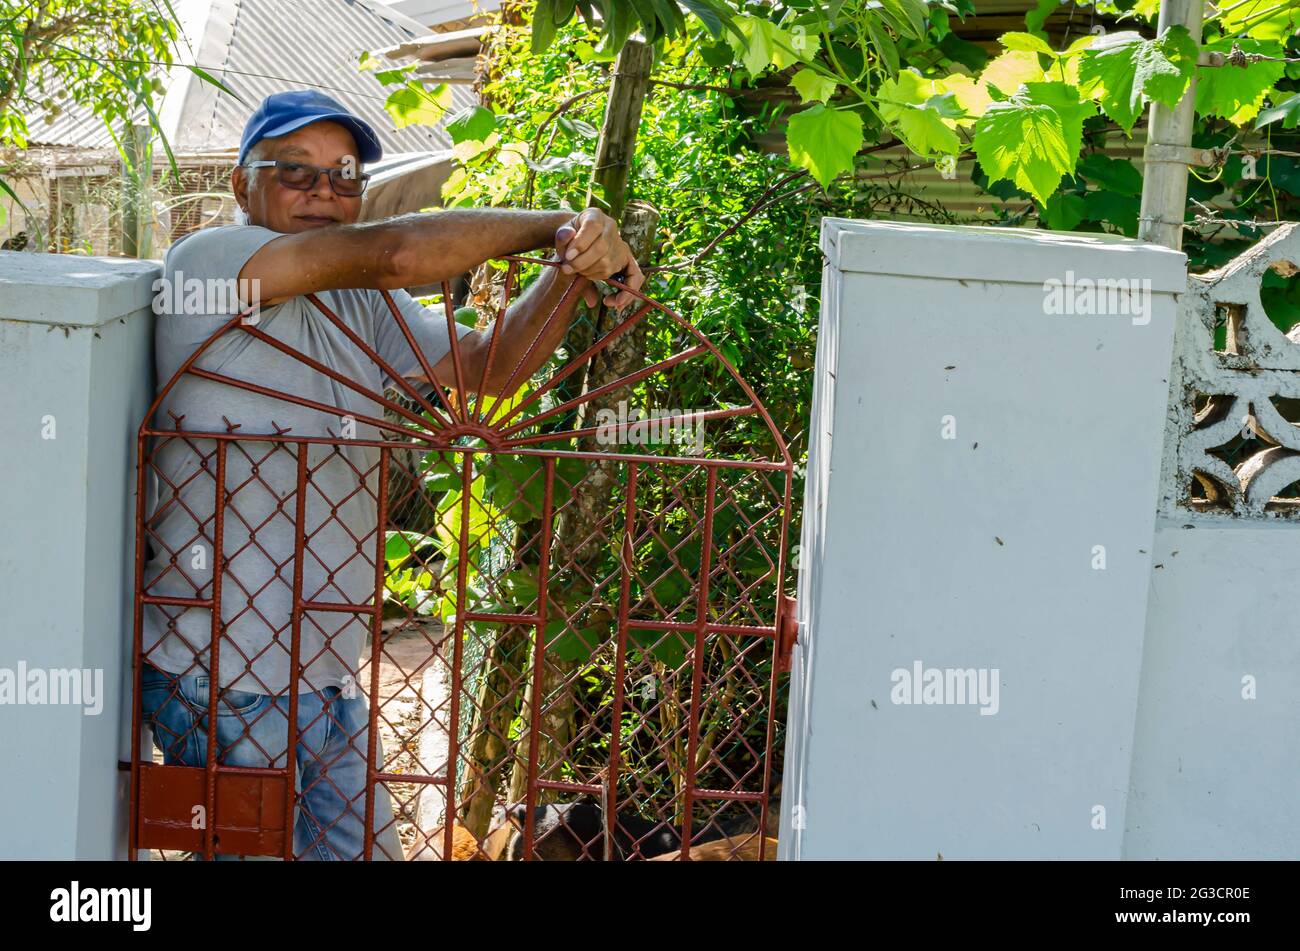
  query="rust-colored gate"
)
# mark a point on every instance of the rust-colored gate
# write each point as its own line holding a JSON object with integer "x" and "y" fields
{"x": 575, "y": 629}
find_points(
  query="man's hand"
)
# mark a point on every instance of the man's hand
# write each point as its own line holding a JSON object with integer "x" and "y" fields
{"x": 591, "y": 247}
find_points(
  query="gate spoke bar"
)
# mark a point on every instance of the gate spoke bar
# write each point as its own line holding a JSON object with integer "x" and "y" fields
{"x": 539, "y": 654}
{"x": 376, "y": 655}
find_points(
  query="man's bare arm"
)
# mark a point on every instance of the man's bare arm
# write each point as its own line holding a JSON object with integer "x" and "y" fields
{"x": 406, "y": 251}
{"x": 594, "y": 250}
{"x": 524, "y": 320}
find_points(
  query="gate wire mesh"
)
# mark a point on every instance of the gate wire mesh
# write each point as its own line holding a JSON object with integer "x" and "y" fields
{"x": 559, "y": 631}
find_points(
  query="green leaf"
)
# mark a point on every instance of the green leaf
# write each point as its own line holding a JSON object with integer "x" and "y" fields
{"x": 471, "y": 124}
{"x": 766, "y": 44}
{"x": 564, "y": 11}
{"x": 709, "y": 16}
{"x": 671, "y": 16}
{"x": 1111, "y": 174}
{"x": 813, "y": 87}
{"x": 516, "y": 485}
{"x": 1120, "y": 210}
{"x": 1011, "y": 70}
{"x": 619, "y": 24}
{"x": 906, "y": 17}
{"x": 1260, "y": 19}
{"x": 968, "y": 54}
{"x": 824, "y": 141}
{"x": 1287, "y": 112}
{"x": 1124, "y": 76}
{"x": 1033, "y": 137}
{"x": 1147, "y": 8}
{"x": 577, "y": 128}
{"x": 648, "y": 19}
{"x": 441, "y": 476}
{"x": 921, "y": 118}
{"x": 1064, "y": 211}
{"x": 544, "y": 25}
{"x": 1234, "y": 93}
{"x": 414, "y": 105}
{"x": 667, "y": 647}
{"x": 570, "y": 644}
{"x": 400, "y": 545}
{"x": 1036, "y": 17}
{"x": 884, "y": 45}
{"x": 207, "y": 77}
{"x": 1026, "y": 42}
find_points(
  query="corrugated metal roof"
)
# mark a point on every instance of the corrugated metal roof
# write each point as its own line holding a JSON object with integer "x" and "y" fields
{"x": 258, "y": 47}
{"x": 434, "y": 13}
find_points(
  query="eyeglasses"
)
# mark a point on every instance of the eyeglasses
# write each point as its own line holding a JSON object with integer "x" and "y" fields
{"x": 304, "y": 177}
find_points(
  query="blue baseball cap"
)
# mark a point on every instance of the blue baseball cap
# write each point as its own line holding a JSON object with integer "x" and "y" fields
{"x": 283, "y": 112}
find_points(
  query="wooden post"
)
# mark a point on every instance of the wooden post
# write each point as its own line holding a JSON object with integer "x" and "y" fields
{"x": 137, "y": 176}
{"x": 613, "y": 167}
{"x": 617, "y": 142}
{"x": 1169, "y": 134}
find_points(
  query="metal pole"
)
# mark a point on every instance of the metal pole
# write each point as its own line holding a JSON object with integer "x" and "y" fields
{"x": 1169, "y": 133}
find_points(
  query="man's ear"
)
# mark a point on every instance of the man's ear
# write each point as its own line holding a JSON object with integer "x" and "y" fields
{"x": 239, "y": 185}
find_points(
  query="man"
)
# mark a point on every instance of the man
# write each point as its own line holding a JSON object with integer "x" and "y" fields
{"x": 298, "y": 182}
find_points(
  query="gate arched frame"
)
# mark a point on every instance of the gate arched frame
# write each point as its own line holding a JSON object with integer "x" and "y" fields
{"x": 250, "y": 810}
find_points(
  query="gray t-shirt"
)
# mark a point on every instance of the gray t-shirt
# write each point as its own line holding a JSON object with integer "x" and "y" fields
{"x": 341, "y": 532}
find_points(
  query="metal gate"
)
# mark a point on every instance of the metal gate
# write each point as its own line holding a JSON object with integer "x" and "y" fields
{"x": 562, "y": 627}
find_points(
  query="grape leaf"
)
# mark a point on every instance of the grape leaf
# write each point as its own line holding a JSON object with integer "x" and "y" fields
{"x": 1033, "y": 137}
{"x": 766, "y": 44}
{"x": 472, "y": 123}
{"x": 1012, "y": 69}
{"x": 1261, "y": 19}
{"x": 1111, "y": 174}
{"x": 1120, "y": 210}
{"x": 1123, "y": 76}
{"x": 412, "y": 104}
{"x": 905, "y": 17}
{"x": 922, "y": 117}
{"x": 1064, "y": 211}
{"x": 1234, "y": 93}
{"x": 812, "y": 86}
{"x": 1287, "y": 112}
{"x": 824, "y": 140}
{"x": 1026, "y": 42}
{"x": 972, "y": 97}
{"x": 1036, "y": 17}
{"x": 1147, "y": 8}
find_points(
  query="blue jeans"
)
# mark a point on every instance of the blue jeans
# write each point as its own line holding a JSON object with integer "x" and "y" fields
{"x": 252, "y": 730}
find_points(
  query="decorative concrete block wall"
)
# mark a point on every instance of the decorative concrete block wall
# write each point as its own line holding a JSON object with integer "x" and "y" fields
{"x": 75, "y": 380}
{"x": 984, "y": 461}
{"x": 1217, "y": 753}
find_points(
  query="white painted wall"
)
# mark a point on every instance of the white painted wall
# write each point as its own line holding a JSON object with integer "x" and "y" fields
{"x": 1215, "y": 772}
{"x": 974, "y": 552}
{"x": 1215, "y": 764}
{"x": 75, "y": 345}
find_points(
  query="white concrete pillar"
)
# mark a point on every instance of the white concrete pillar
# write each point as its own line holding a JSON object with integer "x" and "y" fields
{"x": 76, "y": 377}
{"x": 984, "y": 459}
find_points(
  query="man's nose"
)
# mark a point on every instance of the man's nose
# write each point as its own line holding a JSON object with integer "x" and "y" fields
{"x": 322, "y": 187}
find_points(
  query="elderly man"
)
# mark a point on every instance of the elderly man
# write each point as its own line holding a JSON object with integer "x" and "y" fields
{"x": 299, "y": 183}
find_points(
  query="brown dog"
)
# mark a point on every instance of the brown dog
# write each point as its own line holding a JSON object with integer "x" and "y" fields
{"x": 464, "y": 847}
{"x": 737, "y": 848}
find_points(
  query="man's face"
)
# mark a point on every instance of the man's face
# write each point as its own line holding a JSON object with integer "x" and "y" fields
{"x": 288, "y": 210}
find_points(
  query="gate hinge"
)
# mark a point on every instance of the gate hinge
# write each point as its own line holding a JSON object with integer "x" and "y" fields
{"x": 787, "y": 631}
